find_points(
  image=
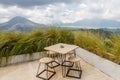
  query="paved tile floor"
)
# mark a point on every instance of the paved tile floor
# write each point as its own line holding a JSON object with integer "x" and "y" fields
{"x": 27, "y": 71}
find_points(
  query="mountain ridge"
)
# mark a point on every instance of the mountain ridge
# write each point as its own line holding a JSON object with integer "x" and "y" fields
{"x": 100, "y": 23}
{"x": 23, "y": 24}
{"x": 19, "y": 23}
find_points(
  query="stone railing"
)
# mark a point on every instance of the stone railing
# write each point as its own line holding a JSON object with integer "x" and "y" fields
{"x": 106, "y": 66}
{"x": 21, "y": 58}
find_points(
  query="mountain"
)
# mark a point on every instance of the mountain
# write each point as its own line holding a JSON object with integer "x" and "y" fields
{"x": 95, "y": 23}
{"x": 19, "y": 23}
{"x": 23, "y": 24}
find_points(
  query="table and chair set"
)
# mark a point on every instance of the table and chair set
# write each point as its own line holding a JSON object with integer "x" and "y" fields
{"x": 63, "y": 55}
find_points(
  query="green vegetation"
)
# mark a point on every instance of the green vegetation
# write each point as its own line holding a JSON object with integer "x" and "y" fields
{"x": 115, "y": 49}
{"x": 16, "y": 43}
{"x": 94, "y": 42}
{"x": 91, "y": 42}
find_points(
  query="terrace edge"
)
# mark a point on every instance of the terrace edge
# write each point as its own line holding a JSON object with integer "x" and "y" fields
{"x": 104, "y": 65}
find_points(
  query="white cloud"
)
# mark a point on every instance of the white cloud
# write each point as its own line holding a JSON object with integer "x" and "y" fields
{"x": 61, "y": 12}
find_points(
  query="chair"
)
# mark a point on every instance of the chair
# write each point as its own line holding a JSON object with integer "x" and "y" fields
{"x": 46, "y": 61}
{"x": 73, "y": 64}
{"x": 53, "y": 55}
{"x": 67, "y": 63}
{"x": 76, "y": 67}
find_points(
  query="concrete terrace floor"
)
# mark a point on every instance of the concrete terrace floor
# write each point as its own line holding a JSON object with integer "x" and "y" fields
{"x": 27, "y": 71}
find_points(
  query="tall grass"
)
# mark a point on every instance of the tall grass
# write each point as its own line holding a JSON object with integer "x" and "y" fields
{"x": 105, "y": 47}
{"x": 7, "y": 41}
{"x": 115, "y": 49}
{"x": 28, "y": 43}
{"x": 91, "y": 42}
{"x": 16, "y": 43}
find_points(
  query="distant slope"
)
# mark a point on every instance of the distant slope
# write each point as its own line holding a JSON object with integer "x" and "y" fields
{"x": 19, "y": 23}
{"x": 117, "y": 31}
{"x": 100, "y": 23}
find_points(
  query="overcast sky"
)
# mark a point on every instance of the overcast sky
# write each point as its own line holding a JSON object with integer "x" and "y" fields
{"x": 65, "y": 11}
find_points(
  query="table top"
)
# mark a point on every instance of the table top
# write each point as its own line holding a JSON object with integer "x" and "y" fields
{"x": 61, "y": 48}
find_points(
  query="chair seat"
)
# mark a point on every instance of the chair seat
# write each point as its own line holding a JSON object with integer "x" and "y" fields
{"x": 46, "y": 60}
{"x": 74, "y": 59}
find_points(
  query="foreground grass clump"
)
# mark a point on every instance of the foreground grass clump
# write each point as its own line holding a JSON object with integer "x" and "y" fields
{"x": 54, "y": 35}
{"x": 108, "y": 48}
{"x": 28, "y": 43}
{"x": 91, "y": 42}
{"x": 7, "y": 42}
{"x": 16, "y": 43}
{"x": 115, "y": 49}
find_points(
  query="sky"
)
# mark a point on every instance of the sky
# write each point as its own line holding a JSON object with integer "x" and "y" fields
{"x": 59, "y": 11}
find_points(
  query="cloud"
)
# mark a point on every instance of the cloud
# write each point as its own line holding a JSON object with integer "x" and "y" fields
{"x": 57, "y": 11}
{"x": 48, "y": 14}
{"x": 30, "y": 3}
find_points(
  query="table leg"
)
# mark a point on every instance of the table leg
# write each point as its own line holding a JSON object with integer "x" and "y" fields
{"x": 65, "y": 64}
{"x": 63, "y": 68}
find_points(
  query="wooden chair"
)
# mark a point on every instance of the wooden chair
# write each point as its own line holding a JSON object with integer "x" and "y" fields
{"x": 76, "y": 67}
{"x": 53, "y": 55}
{"x": 46, "y": 61}
{"x": 73, "y": 64}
